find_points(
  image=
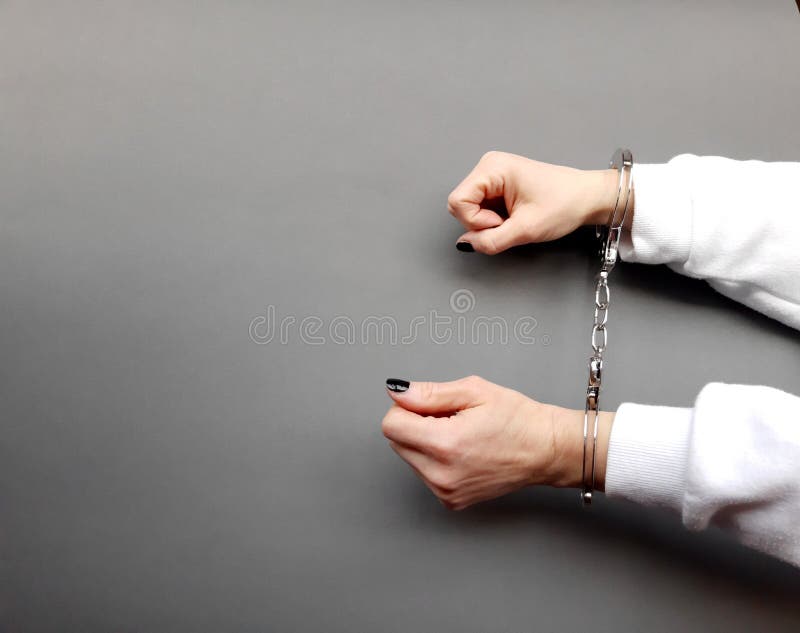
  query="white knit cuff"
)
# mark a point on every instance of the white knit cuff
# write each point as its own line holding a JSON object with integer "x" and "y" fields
{"x": 662, "y": 220}
{"x": 647, "y": 455}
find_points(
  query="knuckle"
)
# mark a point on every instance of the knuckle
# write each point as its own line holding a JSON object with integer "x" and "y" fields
{"x": 444, "y": 481}
{"x": 452, "y": 201}
{"x": 427, "y": 390}
{"x": 474, "y": 382}
{"x": 446, "y": 448}
{"x": 453, "y": 502}
{"x": 387, "y": 425}
{"x": 491, "y": 155}
{"x": 490, "y": 246}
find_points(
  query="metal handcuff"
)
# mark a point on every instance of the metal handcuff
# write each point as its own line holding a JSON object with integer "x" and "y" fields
{"x": 609, "y": 235}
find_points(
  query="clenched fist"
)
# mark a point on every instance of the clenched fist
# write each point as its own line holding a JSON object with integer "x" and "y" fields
{"x": 544, "y": 202}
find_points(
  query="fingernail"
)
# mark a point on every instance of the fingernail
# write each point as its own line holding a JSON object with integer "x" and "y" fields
{"x": 465, "y": 247}
{"x": 398, "y": 385}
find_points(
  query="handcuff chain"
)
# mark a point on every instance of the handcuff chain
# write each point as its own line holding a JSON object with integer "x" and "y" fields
{"x": 622, "y": 160}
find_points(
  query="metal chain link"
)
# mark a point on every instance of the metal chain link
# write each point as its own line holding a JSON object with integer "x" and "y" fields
{"x": 623, "y": 162}
{"x": 602, "y": 297}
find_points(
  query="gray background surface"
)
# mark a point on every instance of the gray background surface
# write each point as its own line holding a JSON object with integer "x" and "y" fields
{"x": 168, "y": 170}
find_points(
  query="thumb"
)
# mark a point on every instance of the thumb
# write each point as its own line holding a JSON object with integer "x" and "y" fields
{"x": 498, "y": 239}
{"x": 437, "y": 398}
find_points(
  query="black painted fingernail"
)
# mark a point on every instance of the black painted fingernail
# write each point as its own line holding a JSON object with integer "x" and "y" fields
{"x": 465, "y": 247}
{"x": 398, "y": 385}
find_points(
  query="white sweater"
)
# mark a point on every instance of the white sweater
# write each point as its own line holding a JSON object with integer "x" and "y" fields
{"x": 734, "y": 459}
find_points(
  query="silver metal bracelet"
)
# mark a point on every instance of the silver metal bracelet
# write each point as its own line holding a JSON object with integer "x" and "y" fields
{"x": 622, "y": 161}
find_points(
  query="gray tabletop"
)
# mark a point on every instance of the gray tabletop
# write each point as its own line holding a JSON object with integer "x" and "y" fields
{"x": 176, "y": 177}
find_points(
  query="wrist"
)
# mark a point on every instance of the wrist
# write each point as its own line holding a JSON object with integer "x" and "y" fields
{"x": 567, "y": 467}
{"x": 601, "y": 187}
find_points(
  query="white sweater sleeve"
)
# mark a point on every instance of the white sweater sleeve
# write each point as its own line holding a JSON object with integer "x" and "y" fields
{"x": 733, "y": 223}
{"x": 734, "y": 459}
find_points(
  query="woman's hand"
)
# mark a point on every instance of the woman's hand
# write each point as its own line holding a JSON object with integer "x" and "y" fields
{"x": 544, "y": 202}
{"x": 470, "y": 440}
